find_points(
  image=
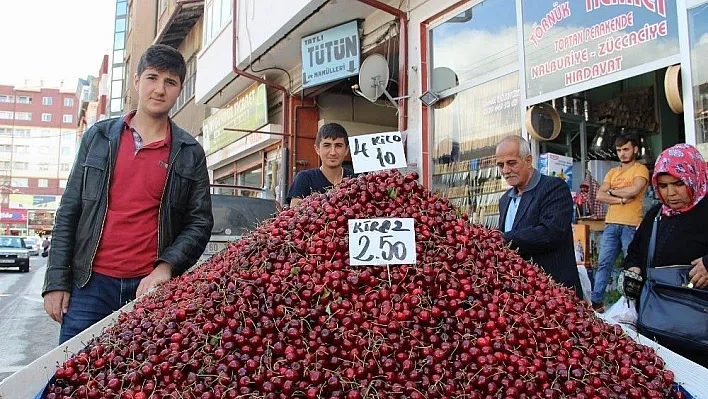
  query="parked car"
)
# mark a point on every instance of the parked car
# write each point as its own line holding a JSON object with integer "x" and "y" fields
{"x": 14, "y": 253}
{"x": 34, "y": 244}
{"x": 234, "y": 216}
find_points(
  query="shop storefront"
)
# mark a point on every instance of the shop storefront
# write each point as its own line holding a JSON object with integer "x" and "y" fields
{"x": 13, "y": 221}
{"x": 569, "y": 75}
{"x": 308, "y": 56}
{"x": 242, "y": 147}
{"x": 27, "y": 214}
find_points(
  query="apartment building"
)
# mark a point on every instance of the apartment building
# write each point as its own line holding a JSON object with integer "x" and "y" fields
{"x": 38, "y": 142}
{"x": 141, "y": 23}
{"x": 118, "y": 74}
{"x": 92, "y": 93}
{"x": 180, "y": 25}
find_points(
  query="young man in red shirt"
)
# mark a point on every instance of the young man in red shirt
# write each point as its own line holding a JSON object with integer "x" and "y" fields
{"x": 136, "y": 209}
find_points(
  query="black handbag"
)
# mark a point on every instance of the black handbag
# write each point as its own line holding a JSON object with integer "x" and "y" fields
{"x": 670, "y": 311}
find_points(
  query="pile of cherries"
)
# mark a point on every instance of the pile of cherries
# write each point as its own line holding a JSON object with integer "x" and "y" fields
{"x": 282, "y": 314}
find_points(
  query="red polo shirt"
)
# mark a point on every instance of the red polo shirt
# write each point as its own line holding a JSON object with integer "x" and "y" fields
{"x": 128, "y": 245}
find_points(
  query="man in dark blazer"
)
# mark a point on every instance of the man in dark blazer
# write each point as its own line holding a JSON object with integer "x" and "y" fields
{"x": 536, "y": 213}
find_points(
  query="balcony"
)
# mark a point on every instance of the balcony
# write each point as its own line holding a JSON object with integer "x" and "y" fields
{"x": 176, "y": 20}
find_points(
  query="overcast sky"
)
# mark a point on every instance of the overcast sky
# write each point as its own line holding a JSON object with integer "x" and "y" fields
{"x": 54, "y": 40}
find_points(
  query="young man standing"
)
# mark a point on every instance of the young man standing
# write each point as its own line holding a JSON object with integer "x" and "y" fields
{"x": 623, "y": 189}
{"x": 332, "y": 146}
{"x": 136, "y": 210}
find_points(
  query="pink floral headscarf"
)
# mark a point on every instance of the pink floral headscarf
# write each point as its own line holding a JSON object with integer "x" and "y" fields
{"x": 683, "y": 161}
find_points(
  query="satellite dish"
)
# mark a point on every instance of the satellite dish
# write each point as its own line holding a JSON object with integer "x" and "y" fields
{"x": 373, "y": 76}
{"x": 443, "y": 78}
{"x": 373, "y": 79}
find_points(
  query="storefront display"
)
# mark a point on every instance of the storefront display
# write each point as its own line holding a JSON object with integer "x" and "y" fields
{"x": 599, "y": 67}
{"x": 466, "y": 133}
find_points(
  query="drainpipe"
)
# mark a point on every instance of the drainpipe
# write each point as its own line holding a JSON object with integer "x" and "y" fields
{"x": 403, "y": 58}
{"x": 282, "y": 89}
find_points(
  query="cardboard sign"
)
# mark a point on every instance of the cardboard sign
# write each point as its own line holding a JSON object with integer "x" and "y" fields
{"x": 383, "y": 241}
{"x": 377, "y": 151}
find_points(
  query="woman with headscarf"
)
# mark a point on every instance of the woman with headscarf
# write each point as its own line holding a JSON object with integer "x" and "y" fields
{"x": 681, "y": 181}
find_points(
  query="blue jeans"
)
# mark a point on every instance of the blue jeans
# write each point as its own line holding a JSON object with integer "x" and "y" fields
{"x": 100, "y": 297}
{"x": 615, "y": 237}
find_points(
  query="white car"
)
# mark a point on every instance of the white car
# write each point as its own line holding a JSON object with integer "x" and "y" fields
{"x": 14, "y": 253}
{"x": 34, "y": 244}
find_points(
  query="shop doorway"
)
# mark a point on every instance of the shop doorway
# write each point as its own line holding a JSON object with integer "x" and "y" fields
{"x": 590, "y": 121}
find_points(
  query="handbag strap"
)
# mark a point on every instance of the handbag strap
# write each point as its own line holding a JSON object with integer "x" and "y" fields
{"x": 652, "y": 242}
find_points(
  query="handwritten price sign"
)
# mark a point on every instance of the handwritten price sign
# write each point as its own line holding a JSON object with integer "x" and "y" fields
{"x": 378, "y": 151}
{"x": 384, "y": 241}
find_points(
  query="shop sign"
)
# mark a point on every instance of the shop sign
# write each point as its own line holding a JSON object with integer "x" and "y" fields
{"x": 248, "y": 112}
{"x": 240, "y": 147}
{"x": 377, "y": 151}
{"x": 28, "y": 201}
{"x": 13, "y": 216}
{"x": 571, "y": 42}
{"x": 330, "y": 55}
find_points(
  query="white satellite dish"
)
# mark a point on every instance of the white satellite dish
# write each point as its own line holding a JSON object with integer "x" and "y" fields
{"x": 443, "y": 78}
{"x": 373, "y": 79}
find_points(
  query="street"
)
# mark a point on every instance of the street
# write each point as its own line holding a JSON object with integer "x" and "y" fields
{"x": 26, "y": 330}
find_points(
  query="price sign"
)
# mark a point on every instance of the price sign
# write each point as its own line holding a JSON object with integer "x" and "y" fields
{"x": 378, "y": 151}
{"x": 384, "y": 241}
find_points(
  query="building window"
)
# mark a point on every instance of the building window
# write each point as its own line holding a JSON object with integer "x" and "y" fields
{"x": 22, "y": 133}
{"x": 67, "y": 151}
{"x": 47, "y": 101}
{"x": 7, "y": 99}
{"x": 163, "y": 5}
{"x": 21, "y": 166}
{"x": 5, "y": 165}
{"x": 21, "y": 149}
{"x": 121, "y": 8}
{"x": 44, "y": 166}
{"x": 69, "y": 102}
{"x": 118, "y": 56}
{"x": 68, "y": 118}
{"x": 217, "y": 15}
{"x": 119, "y": 41}
{"x": 42, "y": 183}
{"x": 5, "y": 148}
{"x": 116, "y": 105}
{"x": 46, "y": 117}
{"x": 188, "y": 87}
{"x": 65, "y": 167}
{"x": 62, "y": 183}
{"x": 20, "y": 182}
{"x": 6, "y": 115}
{"x": 23, "y": 116}
{"x": 24, "y": 100}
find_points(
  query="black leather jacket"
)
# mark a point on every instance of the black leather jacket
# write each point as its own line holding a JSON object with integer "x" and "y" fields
{"x": 185, "y": 216}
